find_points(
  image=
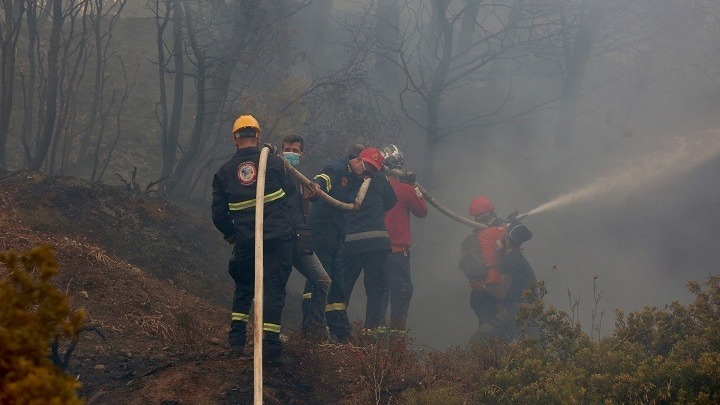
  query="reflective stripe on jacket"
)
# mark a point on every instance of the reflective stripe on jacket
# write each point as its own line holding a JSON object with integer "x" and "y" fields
{"x": 234, "y": 189}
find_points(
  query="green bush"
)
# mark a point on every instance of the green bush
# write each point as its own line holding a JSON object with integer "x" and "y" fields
{"x": 654, "y": 356}
{"x": 33, "y": 313}
{"x": 433, "y": 396}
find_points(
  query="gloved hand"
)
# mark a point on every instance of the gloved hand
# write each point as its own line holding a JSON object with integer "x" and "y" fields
{"x": 512, "y": 218}
{"x": 310, "y": 191}
{"x": 273, "y": 148}
{"x": 409, "y": 177}
{"x": 418, "y": 193}
{"x": 230, "y": 239}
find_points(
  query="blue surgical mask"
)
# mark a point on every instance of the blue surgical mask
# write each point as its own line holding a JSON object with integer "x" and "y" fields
{"x": 292, "y": 158}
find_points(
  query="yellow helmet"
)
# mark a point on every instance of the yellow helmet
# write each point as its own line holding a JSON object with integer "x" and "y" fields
{"x": 246, "y": 121}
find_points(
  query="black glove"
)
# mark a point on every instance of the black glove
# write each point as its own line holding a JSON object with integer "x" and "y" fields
{"x": 273, "y": 148}
{"x": 409, "y": 177}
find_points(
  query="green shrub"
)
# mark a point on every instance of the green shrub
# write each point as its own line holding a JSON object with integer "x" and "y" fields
{"x": 654, "y": 356}
{"x": 433, "y": 396}
{"x": 33, "y": 313}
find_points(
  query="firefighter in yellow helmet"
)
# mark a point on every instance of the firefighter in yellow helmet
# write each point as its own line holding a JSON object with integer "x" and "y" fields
{"x": 233, "y": 213}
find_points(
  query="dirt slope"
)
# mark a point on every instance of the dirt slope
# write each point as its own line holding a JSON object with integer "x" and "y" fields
{"x": 139, "y": 266}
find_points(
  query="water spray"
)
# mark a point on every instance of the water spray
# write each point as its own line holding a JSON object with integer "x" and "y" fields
{"x": 688, "y": 154}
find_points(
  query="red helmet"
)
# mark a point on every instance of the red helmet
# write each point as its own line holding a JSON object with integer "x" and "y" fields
{"x": 372, "y": 156}
{"x": 480, "y": 205}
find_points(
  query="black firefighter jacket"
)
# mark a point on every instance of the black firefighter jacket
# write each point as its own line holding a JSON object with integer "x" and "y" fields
{"x": 365, "y": 228}
{"x": 325, "y": 220}
{"x": 234, "y": 187}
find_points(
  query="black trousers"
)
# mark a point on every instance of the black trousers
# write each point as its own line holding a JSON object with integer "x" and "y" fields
{"x": 336, "y": 308}
{"x": 484, "y": 306}
{"x": 495, "y": 317}
{"x": 399, "y": 289}
{"x": 373, "y": 262}
{"x": 277, "y": 259}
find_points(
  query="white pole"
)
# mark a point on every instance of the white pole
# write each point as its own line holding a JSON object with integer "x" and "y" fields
{"x": 258, "y": 300}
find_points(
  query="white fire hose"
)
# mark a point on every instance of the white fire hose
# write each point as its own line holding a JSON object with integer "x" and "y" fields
{"x": 325, "y": 197}
{"x": 258, "y": 299}
{"x": 449, "y": 213}
{"x": 259, "y": 233}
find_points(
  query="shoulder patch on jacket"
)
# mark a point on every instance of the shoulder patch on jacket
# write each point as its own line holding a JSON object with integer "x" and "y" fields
{"x": 247, "y": 173}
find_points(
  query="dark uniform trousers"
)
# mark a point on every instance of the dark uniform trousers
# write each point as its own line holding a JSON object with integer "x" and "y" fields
{"x": 373, "y": 262}
{"x": 399, "y": 289}
{"x": 277, "y": 259}
{"x": 336, "y": 308}
{"x": 484, "y": 306}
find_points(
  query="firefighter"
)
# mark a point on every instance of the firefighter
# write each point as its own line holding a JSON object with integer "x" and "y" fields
{"x": 487, "y": 239}
{"x": 397, "y": 221}
{"x": 326, "y": 228}
{"x": 233, "y": 213}
{"x": 496, "y": 313}
{"x": 366, "y": 241}
{"x": 304, "y": 259}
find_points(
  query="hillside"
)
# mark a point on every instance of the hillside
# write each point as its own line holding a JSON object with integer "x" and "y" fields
{"x": 150, "y": 276}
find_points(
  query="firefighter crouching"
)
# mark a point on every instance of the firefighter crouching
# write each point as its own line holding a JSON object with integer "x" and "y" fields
{"x": 233, "y": 213}
{"x": 491, "y": 260}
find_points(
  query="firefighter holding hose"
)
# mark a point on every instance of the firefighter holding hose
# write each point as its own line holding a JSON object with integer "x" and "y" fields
{"x": 233, "y": 213}
{"x": 326, "y": 223}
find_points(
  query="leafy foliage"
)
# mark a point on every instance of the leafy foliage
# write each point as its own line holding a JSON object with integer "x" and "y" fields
{"x": 654, "y": 356}
{"x": 33, "y": 312}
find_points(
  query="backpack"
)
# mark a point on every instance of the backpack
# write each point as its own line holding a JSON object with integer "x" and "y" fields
{"x": 471, "y": 259}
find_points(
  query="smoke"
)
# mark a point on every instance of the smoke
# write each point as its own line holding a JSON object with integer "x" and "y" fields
{"x": 689, "y": 153}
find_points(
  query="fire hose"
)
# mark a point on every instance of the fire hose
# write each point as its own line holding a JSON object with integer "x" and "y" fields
{"x": 258, "y": 299}
{"x": 449, "y": 213}
{"x": 259, "y": 287}
{"x": 324, "y": 196}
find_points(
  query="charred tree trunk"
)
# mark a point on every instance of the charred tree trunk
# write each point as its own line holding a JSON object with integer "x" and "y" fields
{"x": 437, "y": 87}
{"x": 98, "y": 86}
{"x": 161, "y": 23}
{"x": 321, "y": 22}
{"x": 29, "y": 91}
{"x": 76, "y": 76}
{"x": 73, "y": 45}
{"x": 387, "y": 33}
{"x": 180, "y": 178}
{"x": 13, "y": 11}
{"x": 51, "y": 88}
{"x": 467, "y": 27}
{"x": 170, "y": 141}
{"x": 432, "y": 139}
{"x": 577, "y": 60}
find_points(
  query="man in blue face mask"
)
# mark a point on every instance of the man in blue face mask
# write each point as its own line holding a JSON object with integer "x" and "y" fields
{"x": 318, "y": 281}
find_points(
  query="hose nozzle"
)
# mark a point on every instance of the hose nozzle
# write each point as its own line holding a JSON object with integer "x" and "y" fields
{"x": 522, "y": 216}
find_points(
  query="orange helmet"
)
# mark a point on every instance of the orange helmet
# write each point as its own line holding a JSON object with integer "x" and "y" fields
{"x": 480, "y": 205}
{"x": 246, "y": 121}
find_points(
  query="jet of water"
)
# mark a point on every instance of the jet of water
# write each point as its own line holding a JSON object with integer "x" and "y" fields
{"x": 688, "y": 154}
